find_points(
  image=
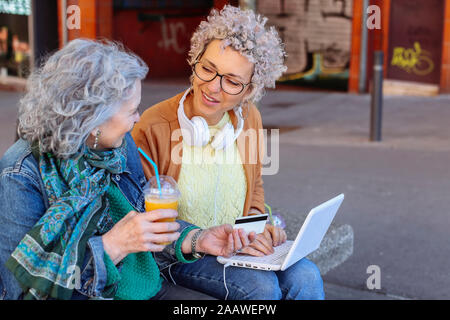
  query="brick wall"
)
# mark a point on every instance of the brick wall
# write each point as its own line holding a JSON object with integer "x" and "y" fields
{"x": 312, "y": 26}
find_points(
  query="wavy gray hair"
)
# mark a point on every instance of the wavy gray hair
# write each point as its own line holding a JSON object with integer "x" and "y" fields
{"x": 77, "y": 89}
{"x": 245, "y": 32}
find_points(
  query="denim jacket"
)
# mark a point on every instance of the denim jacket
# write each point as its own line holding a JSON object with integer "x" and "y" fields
{"x": 23, "y": 201}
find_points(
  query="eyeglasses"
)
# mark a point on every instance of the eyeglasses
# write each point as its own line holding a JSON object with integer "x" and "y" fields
{"x": 227, "y": 83}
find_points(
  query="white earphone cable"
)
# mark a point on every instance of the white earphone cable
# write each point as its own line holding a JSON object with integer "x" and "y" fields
{"x": 224, "y": 280}
{"x": 217, "y": 191}
{"x": 170, "y": 274}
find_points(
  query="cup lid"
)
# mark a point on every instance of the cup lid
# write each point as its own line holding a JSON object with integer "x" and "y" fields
{"x": 169, "y": 187}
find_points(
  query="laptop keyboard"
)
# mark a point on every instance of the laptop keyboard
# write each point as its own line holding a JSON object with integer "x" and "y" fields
{"x": 277, "y": 257}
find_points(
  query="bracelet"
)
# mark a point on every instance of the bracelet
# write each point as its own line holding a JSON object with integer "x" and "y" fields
{"x": 195, "y": 237}
{"x": 179, "y": 254}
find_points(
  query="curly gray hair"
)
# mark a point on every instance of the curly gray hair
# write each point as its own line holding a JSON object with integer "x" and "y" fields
{"x": 245, "y": 32}
{"x": 77, "y": 89}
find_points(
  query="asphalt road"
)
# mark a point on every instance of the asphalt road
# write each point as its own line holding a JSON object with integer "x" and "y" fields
{"x": 396, "y": 201}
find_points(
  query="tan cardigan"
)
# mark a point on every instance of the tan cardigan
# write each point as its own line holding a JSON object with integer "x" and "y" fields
{"x": 153, "y": 133}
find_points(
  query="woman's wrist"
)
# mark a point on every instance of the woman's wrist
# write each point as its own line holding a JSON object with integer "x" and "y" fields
{"x": 186, "y": 245}
{"x": 183, "y": 246}
{"x": 112, "y": 250}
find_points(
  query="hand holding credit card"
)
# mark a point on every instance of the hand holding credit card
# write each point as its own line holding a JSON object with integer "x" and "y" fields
{"x": 254, "y": 223}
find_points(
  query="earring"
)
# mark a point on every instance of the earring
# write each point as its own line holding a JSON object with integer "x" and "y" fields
{"x": 97, "y": 135}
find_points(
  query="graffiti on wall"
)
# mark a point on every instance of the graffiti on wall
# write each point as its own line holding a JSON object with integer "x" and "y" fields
{"x": 159, "y": 31}
{"x": 341, "y": 9}
{"x": 170, "y": 33}
{"x": 316, "y": 34}
{"x": 162, "y": 40}
{"x": 415, "y": 60}
{"x": 416, "y": 41}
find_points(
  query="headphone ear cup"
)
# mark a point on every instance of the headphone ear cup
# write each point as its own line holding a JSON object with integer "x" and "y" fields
{"x": 201, "y": 131}
{"x": 223, "y": 138}
{"x": 187, "y": 127}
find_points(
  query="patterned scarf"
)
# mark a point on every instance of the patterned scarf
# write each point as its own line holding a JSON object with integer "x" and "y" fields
{"x": 49, "y": 258}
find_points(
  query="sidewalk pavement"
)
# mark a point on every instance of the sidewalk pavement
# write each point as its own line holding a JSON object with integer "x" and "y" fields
{"x": 396, "y": 190}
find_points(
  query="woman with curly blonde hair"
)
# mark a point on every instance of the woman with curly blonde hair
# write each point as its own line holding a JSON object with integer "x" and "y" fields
{"x": 208, "y": 138}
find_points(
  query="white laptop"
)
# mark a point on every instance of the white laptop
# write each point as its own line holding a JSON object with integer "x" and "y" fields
{"x": 308, "y": 240}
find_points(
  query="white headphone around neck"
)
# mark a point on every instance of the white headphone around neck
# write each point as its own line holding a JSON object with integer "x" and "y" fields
{"x": 196, "y": 132}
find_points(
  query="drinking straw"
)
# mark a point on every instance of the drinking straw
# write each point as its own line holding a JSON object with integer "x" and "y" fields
{"x": 270, "y": 213}
{"x": 154, "y": 167}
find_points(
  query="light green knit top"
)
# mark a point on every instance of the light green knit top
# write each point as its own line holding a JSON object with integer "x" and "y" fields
{"x": 212, "y": 183}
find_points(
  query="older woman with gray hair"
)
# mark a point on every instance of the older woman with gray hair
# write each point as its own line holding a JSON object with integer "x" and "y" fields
{"x": 209, "y": 139}
{"x": 72, "y": 218}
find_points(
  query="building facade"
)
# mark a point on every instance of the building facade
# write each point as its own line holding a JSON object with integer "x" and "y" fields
{"x": 415, "y": 40}
{"x": 329, "y": 42}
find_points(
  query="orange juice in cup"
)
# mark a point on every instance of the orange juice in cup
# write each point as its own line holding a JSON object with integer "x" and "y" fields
{"x": 166, "y": 198}
{"x": 157, "y": 203}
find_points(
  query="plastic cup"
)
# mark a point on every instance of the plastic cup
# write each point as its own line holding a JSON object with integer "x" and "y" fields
{"x": 167, "y": 198}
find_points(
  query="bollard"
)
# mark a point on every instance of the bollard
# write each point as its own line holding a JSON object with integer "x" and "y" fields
{"x": 376, "y": 105}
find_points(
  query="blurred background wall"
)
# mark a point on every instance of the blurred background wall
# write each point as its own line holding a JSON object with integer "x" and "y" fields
{"x": 329, "y": 43}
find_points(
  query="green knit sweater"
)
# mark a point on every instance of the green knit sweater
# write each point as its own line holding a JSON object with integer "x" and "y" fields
{"x": 139, "y": 277}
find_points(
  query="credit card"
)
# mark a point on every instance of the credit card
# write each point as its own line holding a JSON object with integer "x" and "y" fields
{"x": 254, "y": 223}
